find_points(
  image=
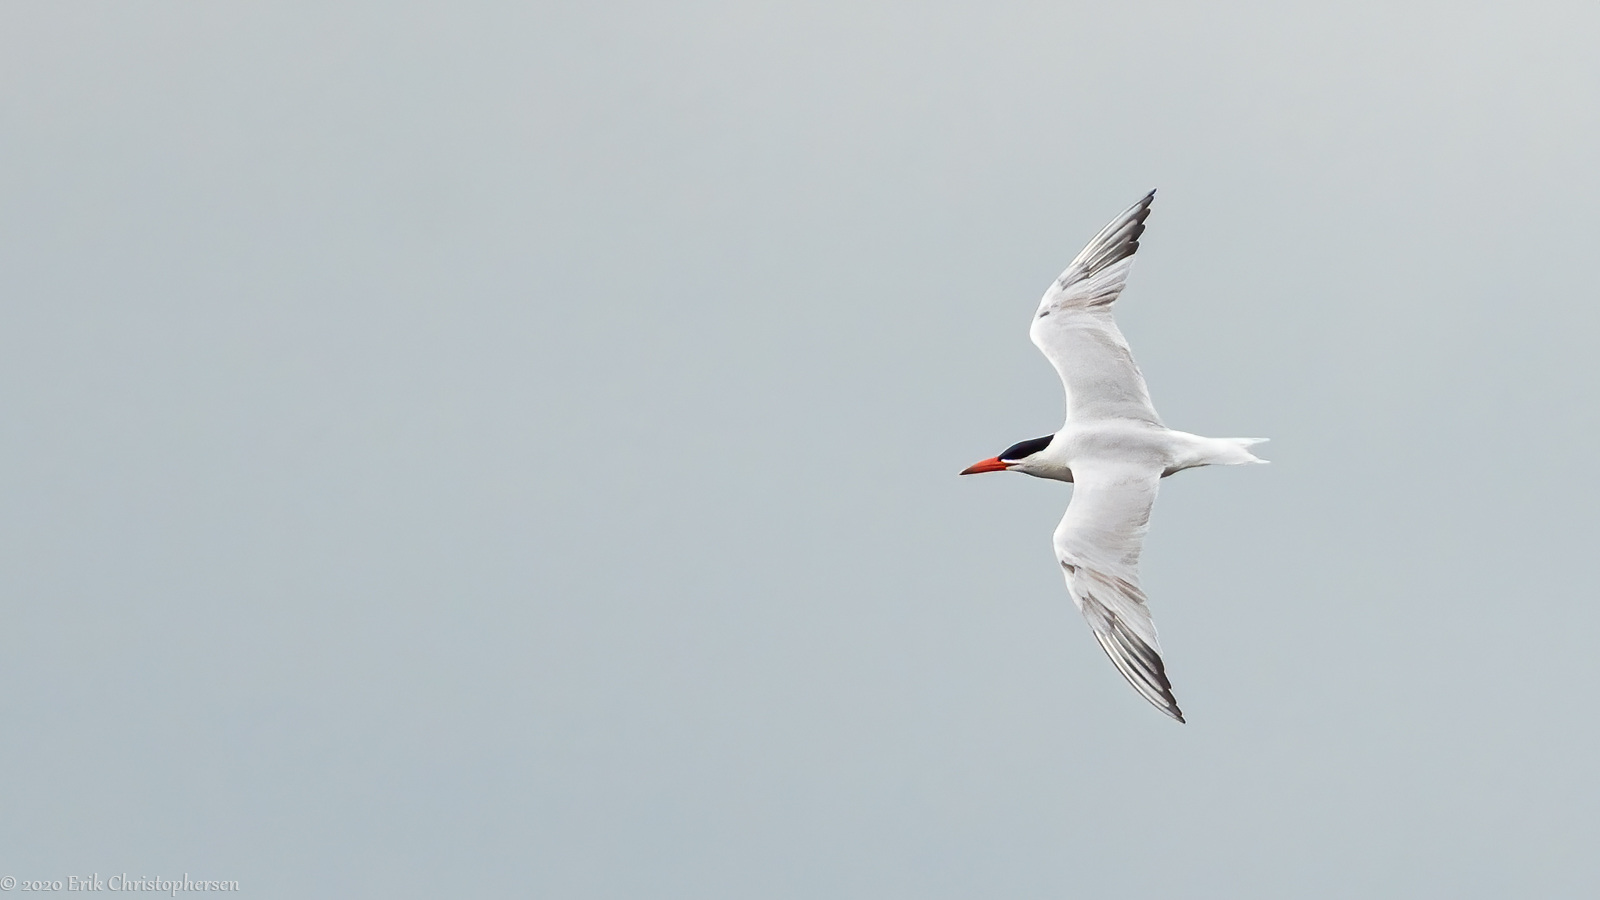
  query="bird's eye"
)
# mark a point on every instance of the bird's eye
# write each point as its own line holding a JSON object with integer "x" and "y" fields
{"x": 1025, "y": 449}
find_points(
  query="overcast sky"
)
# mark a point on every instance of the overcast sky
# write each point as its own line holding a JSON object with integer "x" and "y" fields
{"x": 509, "y": 449}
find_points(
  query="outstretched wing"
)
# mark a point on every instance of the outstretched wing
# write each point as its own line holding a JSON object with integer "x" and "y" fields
{"x": 1075, "y": 329}
{"x": 1098, "y": 544}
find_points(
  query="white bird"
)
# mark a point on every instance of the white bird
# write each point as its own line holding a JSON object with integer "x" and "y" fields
{"x": 1114, "y": 450}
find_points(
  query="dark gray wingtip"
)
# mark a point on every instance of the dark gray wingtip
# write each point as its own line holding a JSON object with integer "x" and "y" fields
{"x": 1115, "y": 243}
{"x": 1142, "y": 667}
{"x": 1138, "y": 662}
{"x": 1137, "y": 213}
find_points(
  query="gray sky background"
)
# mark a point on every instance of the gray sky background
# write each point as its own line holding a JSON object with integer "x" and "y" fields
{"x": 510, "y": 449}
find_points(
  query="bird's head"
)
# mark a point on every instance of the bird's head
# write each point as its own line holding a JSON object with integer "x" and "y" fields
{"x": 1022, "y": 457}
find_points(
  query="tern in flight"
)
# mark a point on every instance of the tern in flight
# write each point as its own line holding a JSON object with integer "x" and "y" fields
{"x": 1113, "y": 449}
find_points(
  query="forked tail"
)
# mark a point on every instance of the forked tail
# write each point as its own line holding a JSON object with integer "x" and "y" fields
{"x": 1241, "y": 454}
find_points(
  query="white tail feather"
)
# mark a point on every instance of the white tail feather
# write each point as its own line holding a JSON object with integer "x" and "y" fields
{"x": 1243, "y": 444}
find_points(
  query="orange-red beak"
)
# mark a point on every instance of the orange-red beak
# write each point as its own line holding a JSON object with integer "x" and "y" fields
{"x": 992, "y": 464}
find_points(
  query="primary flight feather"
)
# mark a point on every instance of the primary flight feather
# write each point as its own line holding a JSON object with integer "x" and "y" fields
{"x": 1114, "y": 450}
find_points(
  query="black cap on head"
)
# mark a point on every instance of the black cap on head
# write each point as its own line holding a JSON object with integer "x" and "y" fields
{"x": 1025, "y": 449}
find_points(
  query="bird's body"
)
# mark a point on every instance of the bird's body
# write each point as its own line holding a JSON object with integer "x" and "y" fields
{"x": 1113, "y": 448}
{"x": 1126, "y": 441}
